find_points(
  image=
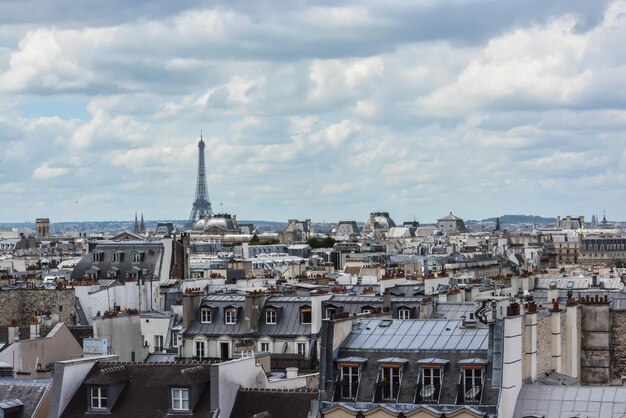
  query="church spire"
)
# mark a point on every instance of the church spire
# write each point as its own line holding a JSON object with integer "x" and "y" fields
{"x": 136, "y": 225}
{"x": 142, "y": 225}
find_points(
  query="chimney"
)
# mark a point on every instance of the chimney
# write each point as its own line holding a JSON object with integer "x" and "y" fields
{"x": 511, "y": 364}
{"x": 291, "y": 372}
{"x": 191, "y": 301}
{"x": 35, "y": 328}
{"x": 252, "y": 310}
{"x": 386, "y": 301}
{"x": 530, "y": 342}
{"x": 573, "y": 340}
{"x": 13, "y": 332}
{"x": 555, "y": 328}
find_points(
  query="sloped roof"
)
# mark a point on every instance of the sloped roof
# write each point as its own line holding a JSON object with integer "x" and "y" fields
{"x": 430, "y": 334}
{"x": 292, "y": 403}
{"x": 570, "y": 401}
{"x": 147, "y": 391}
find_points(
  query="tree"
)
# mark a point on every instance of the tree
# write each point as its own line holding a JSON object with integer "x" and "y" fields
{"x": 317, "y": 242}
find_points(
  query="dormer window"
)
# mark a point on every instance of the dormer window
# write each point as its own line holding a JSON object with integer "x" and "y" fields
{"x": 404, "y": 313}
{"x": 205, "y": 315}
{"x": 270, "y": 315}
{"x": 330, "y": 311}
{"x": 97, "y": 256}
{"x": 98, "y": 398}
{"x": 429, "y": 380}
{"x": 138, "y": 256}
{"x": 349, "y": 380}
{"x": 389, "y": 379}
{"x": 305, "y": 315}
{"x": 472, "y": 384}
{"x": 180, "y": 399}
{"x": 430, "y": 384}
{"x": 230, "y": 315}
{"x": 118, "y": 256}
{"x": 389, "y": 382}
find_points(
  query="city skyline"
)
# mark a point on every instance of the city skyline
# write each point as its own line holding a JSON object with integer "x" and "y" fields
{"x": 322, "y": 111}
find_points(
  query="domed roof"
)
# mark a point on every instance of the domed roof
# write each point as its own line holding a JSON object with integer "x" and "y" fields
{"x": 379, "y": 221}
{"x": 222, "y": 221}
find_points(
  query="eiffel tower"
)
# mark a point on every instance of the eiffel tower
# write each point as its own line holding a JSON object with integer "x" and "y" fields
{"x": 201, "y": 206}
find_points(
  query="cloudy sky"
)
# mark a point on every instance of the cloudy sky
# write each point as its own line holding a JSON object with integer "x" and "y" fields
{"x": 325, "y": 110}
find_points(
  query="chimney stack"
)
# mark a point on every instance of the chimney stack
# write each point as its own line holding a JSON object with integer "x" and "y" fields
{"x": 252, "y": 310}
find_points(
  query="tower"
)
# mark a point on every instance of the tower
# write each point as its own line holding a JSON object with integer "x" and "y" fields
{"x": 142, "y": 225}
{"x": 42, "y": 225}
{"x": 136, "y": 225}
{"x": 201, "y": 206}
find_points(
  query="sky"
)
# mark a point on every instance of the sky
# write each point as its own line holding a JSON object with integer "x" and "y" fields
{"x": 326, "y": 110}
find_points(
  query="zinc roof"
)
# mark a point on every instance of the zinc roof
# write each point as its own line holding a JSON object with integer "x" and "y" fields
{"x": 570, "y": 401}
{"x": 430, "y": 334}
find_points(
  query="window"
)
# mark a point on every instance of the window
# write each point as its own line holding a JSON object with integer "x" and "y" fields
{"x": 97, "y": 257}
{"x": 180, "y": 399}
{"x": 230, "y": 316}
{"x": 330, "y": 311}
{"x": 305, "y": 315}
{"x": 404, "y": 313}
{"x": 349, "y": 381}
{"x": 137, "y": 256}
{"x": 118, "y": 256}
{"x": 175, "y": 341}
{"x": 98, "y": 397}
{"x": 158, "y": 343}
{"x": 270, "y": 316}
{"x": 301, "y": 348}
{"x": 205, "y": 315}
{"x": 430, "y": 384}
{"x": 390, "y": 382}
{"x": 265, "y": 347}
{"x": 367, "y": 309}
{"x": 473, "y": 382}
{"x": 199, "y": 349}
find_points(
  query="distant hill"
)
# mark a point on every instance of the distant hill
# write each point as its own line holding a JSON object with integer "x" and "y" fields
{"x": 522, "y": 219}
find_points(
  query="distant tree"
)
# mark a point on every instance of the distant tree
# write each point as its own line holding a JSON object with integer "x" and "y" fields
{"x": 269, "y": 241}
{"x": 255, "y": 239}
{"x": 620, "y": 263}
{"x": 317, "y": 242}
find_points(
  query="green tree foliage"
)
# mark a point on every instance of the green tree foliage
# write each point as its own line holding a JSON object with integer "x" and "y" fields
{"x": 316, "y": 242}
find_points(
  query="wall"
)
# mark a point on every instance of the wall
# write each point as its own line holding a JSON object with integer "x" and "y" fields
{"x": 124, "y": 335}
{"x": 25, "y": 354}
{"x": 94, "y": 299}
{"x": 595, "y": 344}
{"x": 23, "y": 304}
{"x": 618, "y": 335}
{"x": 153, "y": 325}
{"x": 544, "y": 336}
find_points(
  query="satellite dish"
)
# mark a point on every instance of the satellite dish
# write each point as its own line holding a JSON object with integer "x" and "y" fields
{"x": 472, "y": 393}
{"x": 427, "y": 391}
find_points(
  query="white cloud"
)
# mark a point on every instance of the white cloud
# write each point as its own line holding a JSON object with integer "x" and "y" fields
{"x": 315, "y": 111}
{"x": 45, "y": 172}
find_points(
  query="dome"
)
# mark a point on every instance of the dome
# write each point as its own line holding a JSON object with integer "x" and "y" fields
{"x": 379, "y": 221}
{"x": 221, "y": 221}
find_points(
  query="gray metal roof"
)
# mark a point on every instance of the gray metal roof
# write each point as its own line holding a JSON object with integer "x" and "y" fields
{"x": 408, "y": 334}
{"x": 571, "y": 401}
{"x": 453, "y": 310}
{"x": 288, "y": 317}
